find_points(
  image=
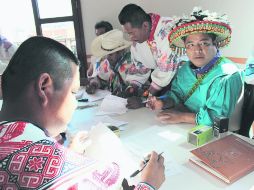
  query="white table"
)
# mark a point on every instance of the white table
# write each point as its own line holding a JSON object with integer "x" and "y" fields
{"x": 191, "y": 177}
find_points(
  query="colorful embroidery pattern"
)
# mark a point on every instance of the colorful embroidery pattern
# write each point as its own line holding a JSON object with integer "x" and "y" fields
{"x": 36, "y": 166}
{"x": 139, "y": 68}
{"x": 109, "y": 176}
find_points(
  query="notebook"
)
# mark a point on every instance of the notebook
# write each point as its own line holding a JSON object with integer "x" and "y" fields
{"x": 228, "y": 158}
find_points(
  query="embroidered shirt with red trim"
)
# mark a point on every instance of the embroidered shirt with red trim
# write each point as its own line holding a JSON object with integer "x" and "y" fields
{"x": 154, "y": 19}
{"x": 37, "y": 161}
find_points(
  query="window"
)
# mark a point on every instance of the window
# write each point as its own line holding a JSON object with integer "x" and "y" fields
{"x": 62, "y": 21}
{"x": 17, "y": 27}
{"x": 57, "y": 19}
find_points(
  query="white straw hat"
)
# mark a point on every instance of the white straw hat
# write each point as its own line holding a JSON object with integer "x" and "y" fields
{"x": 108, "y": 43}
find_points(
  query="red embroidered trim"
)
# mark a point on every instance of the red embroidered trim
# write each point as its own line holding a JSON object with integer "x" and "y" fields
{"x": 11, "y": 130}
{"x": 143, "y": 186}
{"x": 7, "y": 148}
{"x": 155, "y": 19}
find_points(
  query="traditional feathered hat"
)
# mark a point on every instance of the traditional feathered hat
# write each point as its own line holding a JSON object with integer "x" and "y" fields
{"x": 200, "y": 22}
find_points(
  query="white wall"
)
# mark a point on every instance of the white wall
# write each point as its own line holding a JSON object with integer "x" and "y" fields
{"x": 240, "y": 15}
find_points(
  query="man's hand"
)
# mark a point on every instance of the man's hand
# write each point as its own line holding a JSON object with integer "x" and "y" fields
{"x": 170, "y": 117}
{"x": 131, "y": 90}
{"x": 173, "y": 116}
{"x": 153, "y": 90}
{"x": 134, "y": 102}
{"x": 154, "y": 104}
{"x": 90, "y": 70}
{"x": 91, "y": 88}
{"x": 153, "y": 172}
{"x": 78, "y": 142}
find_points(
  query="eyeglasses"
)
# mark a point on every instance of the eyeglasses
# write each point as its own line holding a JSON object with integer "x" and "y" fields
{"x": 202, "y": 45}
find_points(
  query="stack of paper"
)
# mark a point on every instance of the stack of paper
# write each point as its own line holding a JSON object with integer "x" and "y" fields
{"x": 112, "y": 105}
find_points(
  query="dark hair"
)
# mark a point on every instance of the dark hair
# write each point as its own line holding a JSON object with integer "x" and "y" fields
{"x": 211, "y": 35}
{"x": 35, "y": 56}
{"x": 104, "y": 24}
{"x": 134, "y": 15}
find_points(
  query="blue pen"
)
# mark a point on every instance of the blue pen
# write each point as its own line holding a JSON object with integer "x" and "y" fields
{"x": 163, "y": 97}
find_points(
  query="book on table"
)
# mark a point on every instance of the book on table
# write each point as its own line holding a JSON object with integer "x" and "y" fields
{"x": 228, "y": 158}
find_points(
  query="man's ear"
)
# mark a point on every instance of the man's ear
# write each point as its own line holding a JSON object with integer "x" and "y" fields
{"x": 146, "y": 25}
{"x": 44, "y": 88}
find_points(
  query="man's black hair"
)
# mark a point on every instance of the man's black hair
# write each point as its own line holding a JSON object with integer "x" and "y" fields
{"x": 35, "y": 56}
{"x": 211, "y": 35}
{"x": 134, "y": 15}
{"x": 104, "y": 24}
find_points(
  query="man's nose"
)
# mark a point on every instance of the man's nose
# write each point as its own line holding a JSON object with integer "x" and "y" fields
{"x": 197, "y": 48}
{"x": 131, "y": 37}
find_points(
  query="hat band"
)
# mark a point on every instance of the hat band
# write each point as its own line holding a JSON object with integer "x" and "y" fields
{"x": 110, "y": 49}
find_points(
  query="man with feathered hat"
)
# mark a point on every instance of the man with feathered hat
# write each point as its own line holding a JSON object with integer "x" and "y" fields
{"x": 208, "y": 85}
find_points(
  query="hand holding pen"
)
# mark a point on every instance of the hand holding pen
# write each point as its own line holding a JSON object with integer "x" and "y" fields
{"x": 155, "y": 103}
{"x": 145, "y": 163}
{"x": 153, "y": 170}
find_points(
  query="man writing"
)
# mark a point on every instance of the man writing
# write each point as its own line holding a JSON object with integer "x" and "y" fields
{"x": 39, "y": 87}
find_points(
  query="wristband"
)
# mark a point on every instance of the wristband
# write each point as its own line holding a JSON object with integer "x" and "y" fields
{"x": 144, "y": 186}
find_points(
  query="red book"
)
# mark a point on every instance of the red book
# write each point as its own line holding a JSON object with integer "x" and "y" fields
{"x": 228, "y": 158}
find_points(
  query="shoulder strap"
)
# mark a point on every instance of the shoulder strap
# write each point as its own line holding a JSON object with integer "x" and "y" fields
{"x": 198, "y": 82}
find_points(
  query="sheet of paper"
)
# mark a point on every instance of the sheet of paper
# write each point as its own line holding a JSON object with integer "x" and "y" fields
{"x": 87, "y": 124}
{"x": 153, "y": 138}
{"x": 107, "y": 147}
{"x": 112, "y": 105}
{"x": 99, "y": 95}
{"x": 109, "y": 121}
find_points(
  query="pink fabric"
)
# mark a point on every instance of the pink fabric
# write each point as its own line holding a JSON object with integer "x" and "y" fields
{"x": 42, "y": 163}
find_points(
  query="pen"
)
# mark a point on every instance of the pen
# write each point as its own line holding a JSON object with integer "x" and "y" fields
{"x": 159, "y": 98}
{"x": 87, "y": 106}
{"x": 146, "y": 161}
{"x": 83, "y": 100}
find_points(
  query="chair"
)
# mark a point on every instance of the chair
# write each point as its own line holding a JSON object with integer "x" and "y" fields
{"x": 236, "y": 117}
{"x": 247, "y": 110}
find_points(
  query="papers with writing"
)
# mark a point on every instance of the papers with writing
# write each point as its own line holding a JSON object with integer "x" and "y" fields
{"x": 105, "y": 146}
{"x": 112, "y": 105}
{"x": 153, "y": 138}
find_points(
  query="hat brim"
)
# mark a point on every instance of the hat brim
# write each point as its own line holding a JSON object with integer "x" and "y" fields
{"x": 221, "y": 30}
{"x": 97, "y": 51}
